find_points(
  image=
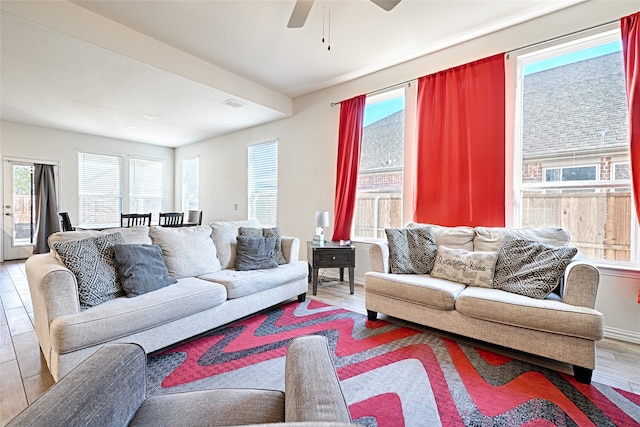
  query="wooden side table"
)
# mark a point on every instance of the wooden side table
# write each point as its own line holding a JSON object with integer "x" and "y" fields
{"x": 330, "y": 255}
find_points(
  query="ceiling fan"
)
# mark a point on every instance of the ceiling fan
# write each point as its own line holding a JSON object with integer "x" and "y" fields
{"x": 302, "y": 8}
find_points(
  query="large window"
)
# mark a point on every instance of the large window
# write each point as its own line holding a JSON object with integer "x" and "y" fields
{"x": 380, "y": 177}
{"x": 573, "y": 146}
{"x": 146, "y": 185}
{"x": 190, "y": 183}
{"x": 263, "y": 183}
{"x": 99, "y": 189}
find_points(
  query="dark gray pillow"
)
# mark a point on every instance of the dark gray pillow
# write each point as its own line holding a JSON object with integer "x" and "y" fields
{"x": 91, "y": 261}
{"x": 266, "y": 232}
{"x": 530, "y": 268}
{"x": 411, "y": 250}
{"x": 255, "y": 253}
{"x": 141, "y": 269}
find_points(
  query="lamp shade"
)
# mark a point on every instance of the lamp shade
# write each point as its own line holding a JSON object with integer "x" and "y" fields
{"x": 322, "y": 218}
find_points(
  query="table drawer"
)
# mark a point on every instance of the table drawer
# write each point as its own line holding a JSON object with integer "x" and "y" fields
{"x": 332, "y": 259}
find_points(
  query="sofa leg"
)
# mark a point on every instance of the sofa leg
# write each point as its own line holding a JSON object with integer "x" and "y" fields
{"x": 582, "y": 375}
{"x": 302, "y": 297}
{"x": 372, "y": 315}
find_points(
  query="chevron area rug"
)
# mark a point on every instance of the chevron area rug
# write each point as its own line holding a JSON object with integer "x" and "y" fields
{"x": 391, "y": 375}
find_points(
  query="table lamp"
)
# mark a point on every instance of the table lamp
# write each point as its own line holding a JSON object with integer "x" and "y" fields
{"x": 322, "y": 220}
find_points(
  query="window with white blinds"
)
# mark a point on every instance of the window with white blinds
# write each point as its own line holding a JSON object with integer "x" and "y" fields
{"x": 190, "y": 183}
{"x": 146, "y": 185}
{"x": 263, "y": 183}
{"x": 99, "y": 189}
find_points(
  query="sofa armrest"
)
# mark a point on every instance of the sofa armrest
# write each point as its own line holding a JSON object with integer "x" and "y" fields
{"x": 106, "y": 389}
{"x": 312, "y": 388}
{"x": 379, "y": 256}
{"x": 53, "y": 287}
{"x": 581, "y": 281}
{"x": 290, "y": 248}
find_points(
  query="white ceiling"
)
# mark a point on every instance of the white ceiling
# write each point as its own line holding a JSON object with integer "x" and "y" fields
{"x": 158, "y": 71}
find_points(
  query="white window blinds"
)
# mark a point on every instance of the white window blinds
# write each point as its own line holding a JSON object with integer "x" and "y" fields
{"x": 146, "y": 185}
{"x": 263, "y": 183}
{"x": 99, "y": 189}
{"x": 190, "y": 183}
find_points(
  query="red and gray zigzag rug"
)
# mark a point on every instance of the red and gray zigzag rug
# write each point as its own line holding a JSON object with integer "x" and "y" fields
{"x": 392, "y": 375}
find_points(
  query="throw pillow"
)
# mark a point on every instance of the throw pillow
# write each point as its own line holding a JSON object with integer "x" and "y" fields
{"x": 91, "y": 260}
{"x": 411, "y": 250}
{"x": 266, "y": 232}
{"x": 224, "y": 236}
{"x": 470, "y": 268}
{"x": 187, "y": 251}
{"x": 530, "y": 268}
{"x": 255, "y": 253}
{"x": 141, "y": 268}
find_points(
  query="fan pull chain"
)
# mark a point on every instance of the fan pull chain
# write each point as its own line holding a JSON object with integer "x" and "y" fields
{"x": 329, "y": 29}
{"x": 322, "y": 23}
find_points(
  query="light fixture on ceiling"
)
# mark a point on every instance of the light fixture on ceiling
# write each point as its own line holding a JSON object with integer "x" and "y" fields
{"x": 151, "y": 117}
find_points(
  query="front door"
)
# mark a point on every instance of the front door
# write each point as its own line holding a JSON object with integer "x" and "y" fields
{"x": 19, "y": 221}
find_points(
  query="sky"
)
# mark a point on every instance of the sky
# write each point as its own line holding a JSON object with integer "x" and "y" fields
{"x": 380, "y": 110}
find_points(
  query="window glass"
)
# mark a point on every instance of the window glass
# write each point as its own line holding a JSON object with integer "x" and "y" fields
{"x": 380, "y": 176}
{"x": 99, "y": 189}
{"x": 190, "y": 183}
{"x": 146, "y": 185}
{"x": 263, "y": 183}
{"x": 574, "y": 145}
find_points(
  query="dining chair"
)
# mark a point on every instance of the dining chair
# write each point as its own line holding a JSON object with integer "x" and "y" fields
{"x": 171, "y": 219}
{"x": 66, "y": 221}
{"x": 194, "y": 216}
{"x": 130, "y": 220}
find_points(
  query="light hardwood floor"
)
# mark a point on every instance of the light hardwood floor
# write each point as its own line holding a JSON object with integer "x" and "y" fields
{"x": 24, "y": 375}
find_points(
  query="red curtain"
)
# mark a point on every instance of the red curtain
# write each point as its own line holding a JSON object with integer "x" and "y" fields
{"x": 349, "y": 144}
{"x": 630, "y": 29}
{"x": 460, "y": 161}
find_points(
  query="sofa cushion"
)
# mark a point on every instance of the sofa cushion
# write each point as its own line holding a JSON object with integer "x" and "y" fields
{"x": 470, "y": 268}
{"x": 540, "y": 314}
{"x": 530, "y": 268}
{"x": 411, "y": 250}
{"x": 187, "y": 251}
{"x": 138, "y": 234}
{"x": 266, "y": 232}
{"x": 256, "y": 253}
{"x": 451, "y": 237}
{"x": 122, "y": 317}
{"x": 91, "y": 260}
{"x": 242, "y": 283}
{"x": 141, "y": 269}
{"x": 490, "y": 238}
{"x": 224, "y": 236}
{"x": 415, "y": 288}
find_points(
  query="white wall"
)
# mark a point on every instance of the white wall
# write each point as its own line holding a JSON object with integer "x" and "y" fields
{"x": 308, "y": 145}
{"x": 39, "y": 143}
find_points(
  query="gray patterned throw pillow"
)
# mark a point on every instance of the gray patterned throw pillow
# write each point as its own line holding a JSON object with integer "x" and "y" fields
{"x": 91, "y": 260}
{"x": 530, "y": 268}
{"x": 470, "y": 268}
{"x": 411, "y": 250}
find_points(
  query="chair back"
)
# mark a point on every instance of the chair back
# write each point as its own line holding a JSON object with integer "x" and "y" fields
{"x": 194, "y": 216}
{"x": 66, "y": 221}
{"x": 171, "y": 219}
{"x": 131, "y": 220}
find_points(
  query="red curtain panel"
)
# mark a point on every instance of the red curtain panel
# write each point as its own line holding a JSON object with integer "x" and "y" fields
{"x": 460, "y": 162}
{"x": 349, "y": 144}
{"x": 630, "y": 29}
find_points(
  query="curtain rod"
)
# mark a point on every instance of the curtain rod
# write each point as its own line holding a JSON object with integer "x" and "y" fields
{"x": 407, "y": 82}
{"x": 507, "y": 53}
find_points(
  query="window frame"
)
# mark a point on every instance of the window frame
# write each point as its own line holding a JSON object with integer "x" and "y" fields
{"x": 557, "y": 48}
{"x": 273, "y": 220}
{"x": 130, "y": 184}
{"x": 121, "y": 197}
{"x": 187, "y": 196}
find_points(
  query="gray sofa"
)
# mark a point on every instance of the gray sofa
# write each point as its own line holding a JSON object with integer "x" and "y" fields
{"x": 209, "y": 293}
{"x": 563, "y": 326}
{"x": 109, "y": 389}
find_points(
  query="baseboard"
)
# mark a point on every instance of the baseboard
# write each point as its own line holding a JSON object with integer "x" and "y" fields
{"x": 621, "y": 334}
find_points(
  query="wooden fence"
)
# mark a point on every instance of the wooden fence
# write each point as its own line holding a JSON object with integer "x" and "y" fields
{"x": 599, "y": 223}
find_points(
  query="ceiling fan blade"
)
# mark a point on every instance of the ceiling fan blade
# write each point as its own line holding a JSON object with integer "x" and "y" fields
{"x": 300, "y": 13}
{"x": 386, "y": 4}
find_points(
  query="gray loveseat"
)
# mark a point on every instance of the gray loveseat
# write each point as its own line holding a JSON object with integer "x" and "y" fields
{"x": 209, "y": 293}
{"x": 563, "y": 325}
{"x": 109, "y": 389}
